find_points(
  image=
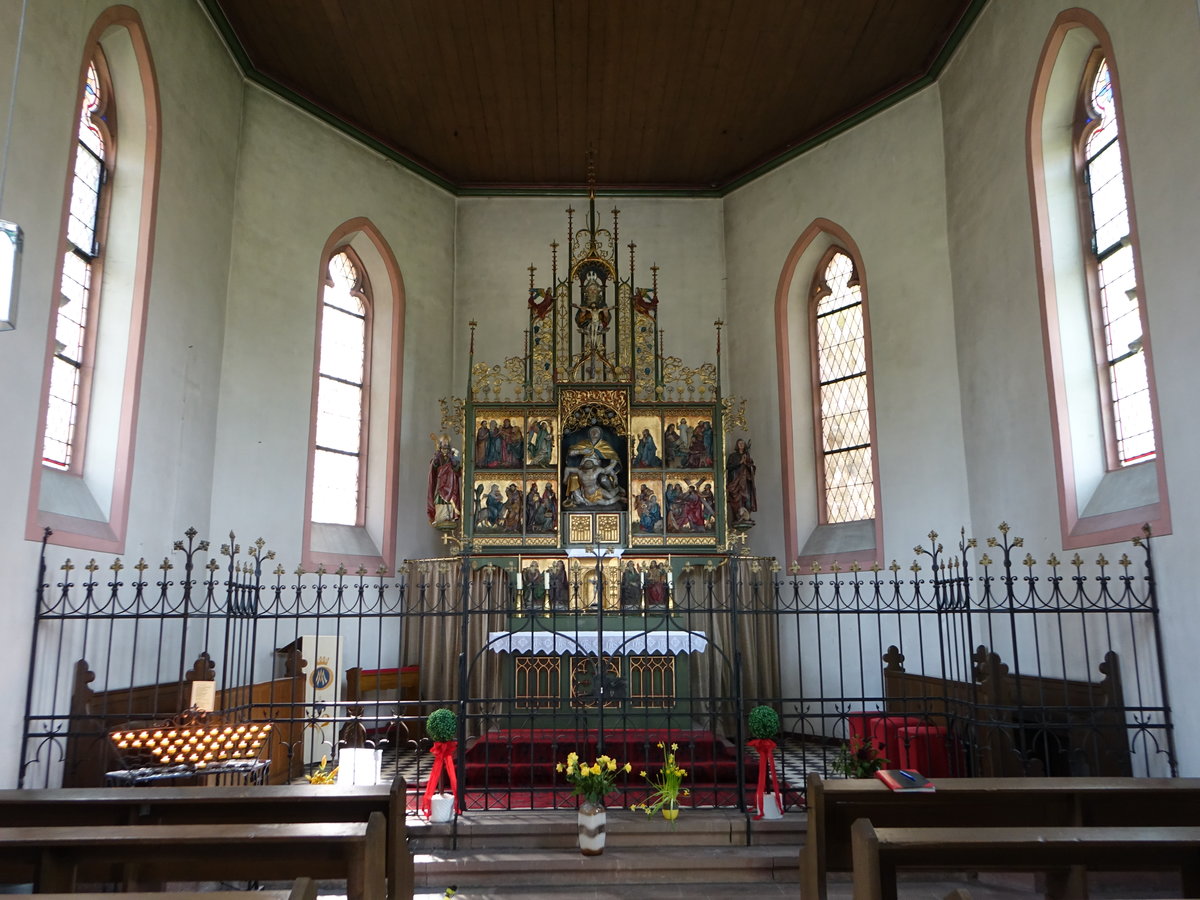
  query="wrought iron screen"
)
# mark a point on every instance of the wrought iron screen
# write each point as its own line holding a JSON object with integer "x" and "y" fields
{"x": 982, "y": 662}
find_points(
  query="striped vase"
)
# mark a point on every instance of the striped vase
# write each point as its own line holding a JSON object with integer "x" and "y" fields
{"x": 592, "y": 818}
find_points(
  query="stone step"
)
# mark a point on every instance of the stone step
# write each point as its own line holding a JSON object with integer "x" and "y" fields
{"x": 617, "y": 865}
{"x": 557, "y": 828}
{"x": 589, "y": 891}
{"x": 537, "y": 850}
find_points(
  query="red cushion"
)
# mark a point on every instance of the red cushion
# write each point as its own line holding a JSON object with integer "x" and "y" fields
{"x": 925, "y": 749}
{"x": 883, "y": 731}
{"x": 858, "y": 724}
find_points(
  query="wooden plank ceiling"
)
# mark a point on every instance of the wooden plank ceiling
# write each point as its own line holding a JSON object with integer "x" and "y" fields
{"x": 680, "y": 95}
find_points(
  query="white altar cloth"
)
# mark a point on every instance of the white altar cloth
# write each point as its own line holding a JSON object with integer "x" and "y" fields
{"x": 637, "y": 643}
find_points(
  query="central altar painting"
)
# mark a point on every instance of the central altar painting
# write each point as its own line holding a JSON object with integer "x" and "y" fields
{"x": 594, "y": 437}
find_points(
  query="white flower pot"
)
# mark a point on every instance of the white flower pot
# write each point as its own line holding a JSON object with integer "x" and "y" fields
{"x": 441, "y": 808}
{"x": 771, "y": 808}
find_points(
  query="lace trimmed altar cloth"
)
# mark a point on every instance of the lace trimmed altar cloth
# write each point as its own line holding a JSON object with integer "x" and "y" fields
{"x": 635, "y": 643}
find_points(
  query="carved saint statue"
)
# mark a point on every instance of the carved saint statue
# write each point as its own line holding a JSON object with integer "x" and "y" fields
{"x": 533, "y": 583}
{"x": 443, "y": 499}
{"x": 740, "y": 490}
{"x": 591, "y": 476}
{"x": 592, "y": 316}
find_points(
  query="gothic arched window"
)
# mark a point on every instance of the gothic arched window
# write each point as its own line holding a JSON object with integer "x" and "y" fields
{"x": 1099, "y": 360}
{"x": 1116, "y": 311}
{"x": 840, "y": 378}
{"x": 81, "y": 477}
{"x": 79, "y": 284}
{"x": 345, "y": 339}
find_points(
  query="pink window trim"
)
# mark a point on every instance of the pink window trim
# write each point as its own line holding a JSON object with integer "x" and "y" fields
{"x": 1079, "y": 531}
{"x": 841, "y": 237}
{"x": 387, "y": 558}
{"x": 86, "y": 534}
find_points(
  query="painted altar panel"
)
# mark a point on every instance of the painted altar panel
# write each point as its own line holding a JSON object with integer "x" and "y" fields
{"x": 647, "y": 517}
{"x": 594, "y": 439}
{"x": 646, "y": 435}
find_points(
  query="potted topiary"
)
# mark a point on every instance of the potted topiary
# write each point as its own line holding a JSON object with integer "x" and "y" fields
{"x": 442, "y": 728}
{"x": 764, "y": 726}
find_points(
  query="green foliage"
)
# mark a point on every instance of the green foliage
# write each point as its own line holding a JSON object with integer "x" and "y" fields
{"x": 764, "y": 723}
{"x": 667, "y": 786}
{"x": 858, "y": 759}
{"x": 442, "y": 725}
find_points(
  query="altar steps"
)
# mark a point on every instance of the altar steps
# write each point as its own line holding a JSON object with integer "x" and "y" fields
{"x": 528, "y": 759}
{"x": 528, "y": 853}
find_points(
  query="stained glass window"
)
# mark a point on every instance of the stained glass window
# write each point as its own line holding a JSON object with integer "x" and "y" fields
{"x": 845, "y": 419}
{"x": 337, "y": 462}
{"x": 1116, "y": 275}
{"x": 77, "y": 286}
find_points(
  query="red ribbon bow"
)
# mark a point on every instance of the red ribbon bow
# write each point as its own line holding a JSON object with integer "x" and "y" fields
{"x": 443, "y": 758}
{"x": 766, "y": 754}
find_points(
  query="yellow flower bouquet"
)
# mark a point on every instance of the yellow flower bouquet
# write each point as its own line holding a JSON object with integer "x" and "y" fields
{"x": 666, "y": 787}
{"x": 592, "y": 781}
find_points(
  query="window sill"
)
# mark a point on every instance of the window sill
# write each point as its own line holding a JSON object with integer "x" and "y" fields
{"x": 844, "y": 543}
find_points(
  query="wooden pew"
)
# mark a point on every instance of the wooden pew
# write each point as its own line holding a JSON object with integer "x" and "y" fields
{"x": 215, "y": 805}
{"x": 302, "y": 889}
{"x": 880, "y": 852}
{"x": 52, "y": 857}
{"x": 90, "y": 754}
{"x": 406, "y": 682}
{"x": 834, "y": 805}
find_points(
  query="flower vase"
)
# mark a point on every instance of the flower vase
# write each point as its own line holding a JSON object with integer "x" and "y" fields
{"x": 592, "y": 819}
{"x": 670, "y": 810}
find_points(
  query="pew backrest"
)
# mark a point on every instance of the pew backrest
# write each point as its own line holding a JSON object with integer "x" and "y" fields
{"x": 302, "y": 889}
{"x": 53, "y": 857}
{"x": 879, "y": 852}
{"x": 834, "y": 805}
{"x": 224, "y": 804}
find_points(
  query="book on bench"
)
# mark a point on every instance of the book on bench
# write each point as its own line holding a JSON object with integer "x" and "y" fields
{"x": 905, "y": 781}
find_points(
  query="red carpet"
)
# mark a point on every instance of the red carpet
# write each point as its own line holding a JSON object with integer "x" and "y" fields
{"x": 516, "y": 769}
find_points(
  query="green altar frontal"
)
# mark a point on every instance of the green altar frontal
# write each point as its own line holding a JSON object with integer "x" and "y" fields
{"x": 631, "y": 672}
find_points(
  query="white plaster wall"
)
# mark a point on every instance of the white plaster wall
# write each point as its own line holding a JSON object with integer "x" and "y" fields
{"x": 985, "y": 95}
{"x": 883, "y": 183}
{"x": 200, "y": 93}
{"x": 499, "y": 238}
{"x": 298, "y": 180}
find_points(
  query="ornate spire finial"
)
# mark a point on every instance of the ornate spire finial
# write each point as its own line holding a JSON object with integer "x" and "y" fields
{"x": 532, "y": 269}
{"x": 654, "y": 269}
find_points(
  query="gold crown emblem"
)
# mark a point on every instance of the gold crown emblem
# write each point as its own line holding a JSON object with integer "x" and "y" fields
{"x": 322, "y": 660}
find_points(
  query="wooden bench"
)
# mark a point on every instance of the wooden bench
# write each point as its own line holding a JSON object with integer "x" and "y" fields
{"x": 302, "y": 889}
{"x": 406, "y": 682}
{"x": 56, "y": 858}
{"x": 94, "y": 713}
{"x": 834, "y": 805}
{"x": 880, "y": 852}
{"x": 234, "y": 805}
{"x": 1084, "y": 720}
